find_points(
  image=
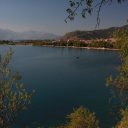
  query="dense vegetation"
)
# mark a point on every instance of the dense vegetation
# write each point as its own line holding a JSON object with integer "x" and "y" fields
{"x": 96, "y": 44}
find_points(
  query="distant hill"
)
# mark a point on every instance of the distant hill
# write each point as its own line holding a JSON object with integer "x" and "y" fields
{"x": 6, "y": 34}
{"x": 87, "y": 35}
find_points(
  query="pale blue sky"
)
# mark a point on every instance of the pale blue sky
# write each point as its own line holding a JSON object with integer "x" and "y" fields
{"x": 49, "y": 15}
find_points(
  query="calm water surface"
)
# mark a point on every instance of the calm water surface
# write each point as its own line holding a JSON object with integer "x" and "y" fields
{"x": 64, "y": 79}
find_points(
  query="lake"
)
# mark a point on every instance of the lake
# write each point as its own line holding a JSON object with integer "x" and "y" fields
{"x": 63, "y": 78}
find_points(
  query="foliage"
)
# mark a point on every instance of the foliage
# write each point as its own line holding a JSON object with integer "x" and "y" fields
{"x": 86, "y": 7}
{"x": 13, "y": 96}
{"x": 81, "y": 118}
{"x": 119, "y": 84}
{"x": 121, "y": 37}
{"x": 124, "y": 119}
{"x": 101, "y": 44}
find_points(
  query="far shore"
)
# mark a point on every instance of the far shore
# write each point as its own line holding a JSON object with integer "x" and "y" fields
{"x": 91, "y": 48}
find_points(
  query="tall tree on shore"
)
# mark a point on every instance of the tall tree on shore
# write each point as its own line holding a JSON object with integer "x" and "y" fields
{"x": 13, "y": 96}
{"x": 119, "y": 84}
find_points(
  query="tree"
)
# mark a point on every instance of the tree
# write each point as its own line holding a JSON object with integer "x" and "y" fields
{"x": 121, "y": 37}
{"x": 13, "y": 96}
{"x": 87, "y": 7}
{"x": 124, "y": 119}
{"x": 81, "y": 118}
{"x": 119, "y": 84}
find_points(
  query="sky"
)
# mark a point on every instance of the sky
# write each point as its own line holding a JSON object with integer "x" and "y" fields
{"x": 49, "y": 15}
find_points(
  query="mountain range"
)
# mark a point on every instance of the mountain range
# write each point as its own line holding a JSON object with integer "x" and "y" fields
{"x": 95, "y": 34}
{"x": 6, "y": 34}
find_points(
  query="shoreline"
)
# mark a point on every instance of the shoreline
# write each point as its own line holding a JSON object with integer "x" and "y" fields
{"x": 89, "y": 48}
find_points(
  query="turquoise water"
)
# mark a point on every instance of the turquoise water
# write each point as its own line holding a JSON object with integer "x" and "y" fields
{"x": 64, "y": 78}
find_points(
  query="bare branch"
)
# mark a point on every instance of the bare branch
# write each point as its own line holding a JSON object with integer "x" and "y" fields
{"x": 87, "y": 8}
{"x": 74, "y": 11}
